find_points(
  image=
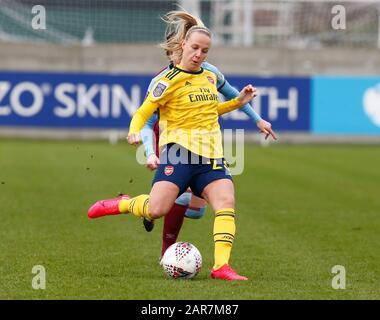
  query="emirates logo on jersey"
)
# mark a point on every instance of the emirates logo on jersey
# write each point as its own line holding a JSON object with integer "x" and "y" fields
{"x": 169, "y": 170}
{"x": 210, "y": 79}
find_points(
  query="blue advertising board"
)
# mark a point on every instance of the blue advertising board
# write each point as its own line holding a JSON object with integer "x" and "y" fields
{"x": 283, "y": 101}
{"x": 345, "y": 105}
{"x": 92, "y": 100}
{"x": 69, "y": 100}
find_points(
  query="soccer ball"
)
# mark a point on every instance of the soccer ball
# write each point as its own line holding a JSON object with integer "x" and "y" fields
{"x": 182, "y": 260}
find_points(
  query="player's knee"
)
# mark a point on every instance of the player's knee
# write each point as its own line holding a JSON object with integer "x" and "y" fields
{"x": 184, "y": 199}
{"x": 226, "y": 201}
{"x": 195, "y": 213}
{"x": 157, "y": 211}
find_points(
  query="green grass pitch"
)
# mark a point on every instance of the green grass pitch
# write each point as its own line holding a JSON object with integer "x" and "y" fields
{"x": 301, "y": 210}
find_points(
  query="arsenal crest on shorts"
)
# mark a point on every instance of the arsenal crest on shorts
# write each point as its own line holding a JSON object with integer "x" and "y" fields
{"x": 159, "y": 89}
{"x": 210, "y": 79}
{"x": 169, "y": 170}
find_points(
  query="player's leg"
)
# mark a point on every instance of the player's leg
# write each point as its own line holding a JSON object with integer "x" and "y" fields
{"x": 196, "y": 208}
{"x": 174, "y": 219}
{"x": 161, "y": 198}
{"x": 169, "y": 181}
{"x": 106, "y": 207}
{"x": 186, "y": 205}
{"x": 215, "y": 185}
{"x": 152, "y": 206}
{"x": 220, "y": 195}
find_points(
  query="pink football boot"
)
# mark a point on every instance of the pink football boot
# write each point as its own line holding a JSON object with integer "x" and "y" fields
{"x": 106, "y": 207}
{"x": 225, "y": 272}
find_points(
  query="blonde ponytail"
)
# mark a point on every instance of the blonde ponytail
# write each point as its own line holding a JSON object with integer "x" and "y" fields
{"x": 178, "y": 23}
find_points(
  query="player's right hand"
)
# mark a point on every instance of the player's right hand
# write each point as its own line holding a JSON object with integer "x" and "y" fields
{"x": 247, "y": 94}
{"x": 134, "y": 139}
{"x": 152, "y": 162}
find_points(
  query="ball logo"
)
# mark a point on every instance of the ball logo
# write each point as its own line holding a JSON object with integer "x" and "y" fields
{"x": 371, "y": 104}
{"x": 169, "y": 170}
{"x": 210, "y": 79}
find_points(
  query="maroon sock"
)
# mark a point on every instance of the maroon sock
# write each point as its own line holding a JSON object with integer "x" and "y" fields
{"x": 172, "y": 225}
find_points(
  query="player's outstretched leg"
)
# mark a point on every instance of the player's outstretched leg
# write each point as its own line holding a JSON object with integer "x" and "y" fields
{"x": 106, "y": 207}
{"x": 139, "y": 206}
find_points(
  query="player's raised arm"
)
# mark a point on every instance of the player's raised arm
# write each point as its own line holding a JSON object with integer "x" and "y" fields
{"x": 229, "y": 92}
{"x": 245, "y": 96}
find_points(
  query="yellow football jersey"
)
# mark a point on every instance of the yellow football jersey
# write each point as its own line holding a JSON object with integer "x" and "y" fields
{"x": 189, "y": 110}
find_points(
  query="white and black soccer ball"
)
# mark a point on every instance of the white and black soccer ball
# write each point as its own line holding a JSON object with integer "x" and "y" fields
{"x": 182, "y": 260}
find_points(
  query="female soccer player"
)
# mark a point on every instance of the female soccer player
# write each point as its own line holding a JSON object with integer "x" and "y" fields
{"x": 191, "y": 143}
{"x": 186, "y": 205}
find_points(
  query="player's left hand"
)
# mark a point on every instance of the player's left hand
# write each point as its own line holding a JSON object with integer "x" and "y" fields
{"x": 266, "y": 128}
{"x": 134, "y": 139}
{"x": 152, "y": 162}
{"x": 247, "y": 94}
